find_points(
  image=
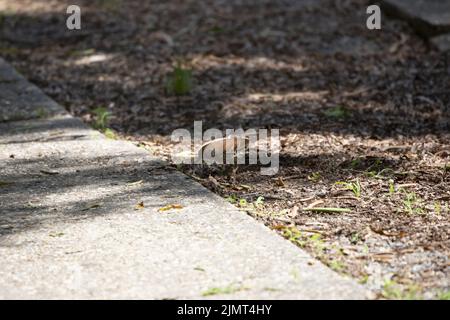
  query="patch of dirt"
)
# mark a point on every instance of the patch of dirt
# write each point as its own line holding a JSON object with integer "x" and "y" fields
{"x": 357, "y": 109}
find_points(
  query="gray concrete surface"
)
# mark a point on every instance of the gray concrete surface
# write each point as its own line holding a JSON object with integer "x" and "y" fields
{"x": 442, "y": 42}
{"x": 429, "y": 17}
{"x": 20, "y": 100}
{"x": 70, "y": 228}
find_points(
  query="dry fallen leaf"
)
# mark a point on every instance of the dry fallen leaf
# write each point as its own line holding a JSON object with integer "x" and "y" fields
{"x": 170, "y": 207}
{"x": 279, "y": 182}
{"x": 56, "y": 234}
{"x": 382, "y": 232}
{"x": 139, "y": 206}
{"x": 382, "y": 256}
{"x": 133, "y": 183}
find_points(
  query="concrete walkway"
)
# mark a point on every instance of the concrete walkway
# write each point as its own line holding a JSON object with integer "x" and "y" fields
{"x": 71, "y": 226}
{"x": 430, "y": 18}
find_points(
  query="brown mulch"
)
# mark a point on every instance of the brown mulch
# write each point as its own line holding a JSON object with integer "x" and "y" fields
{"x": 370, "y": 108}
